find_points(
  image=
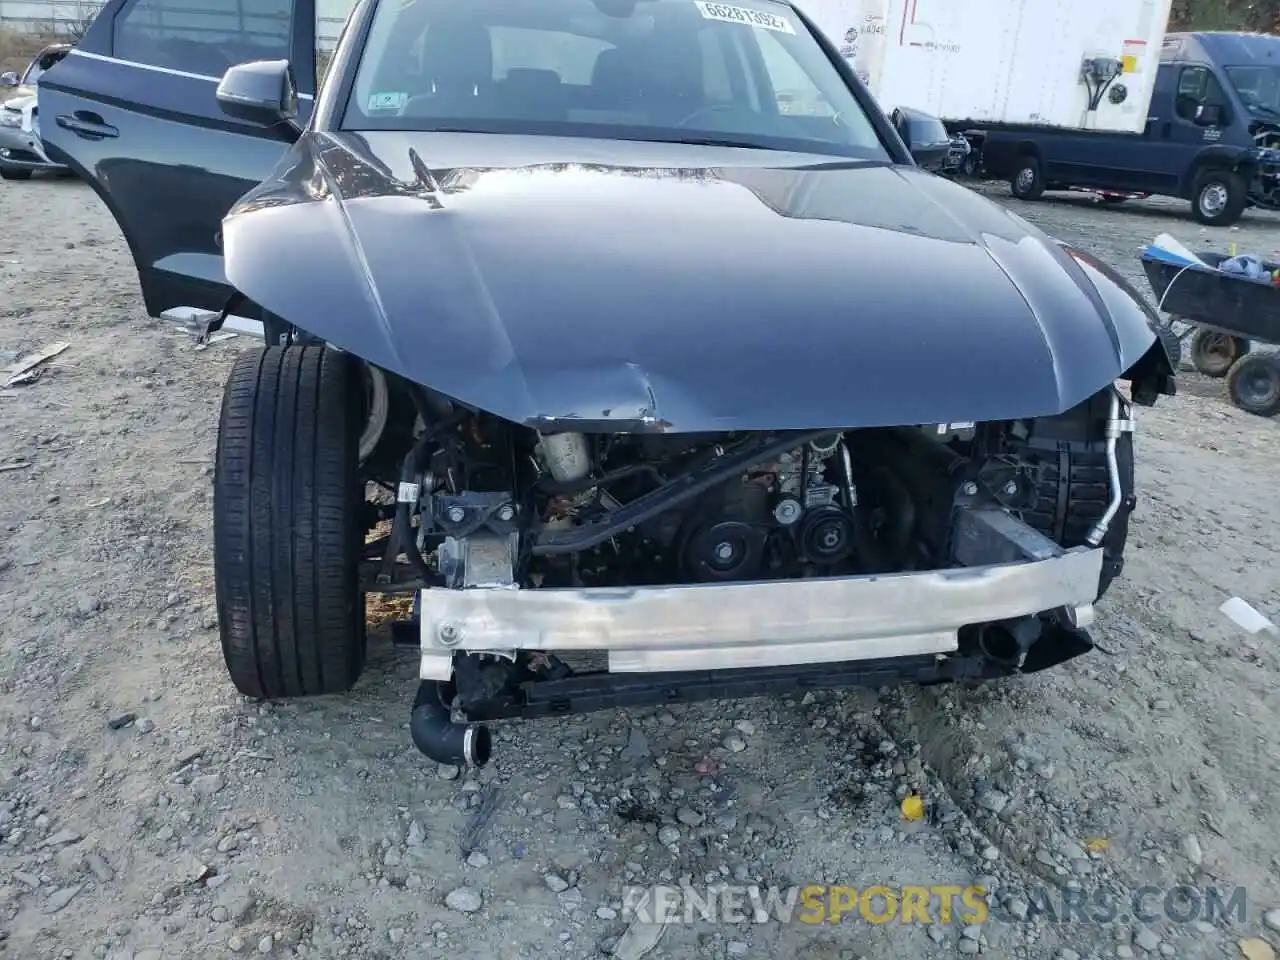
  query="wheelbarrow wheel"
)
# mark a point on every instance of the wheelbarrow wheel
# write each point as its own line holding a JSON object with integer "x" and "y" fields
{"x": 1213, "y": 353}
{"x": 1254, "y": 384}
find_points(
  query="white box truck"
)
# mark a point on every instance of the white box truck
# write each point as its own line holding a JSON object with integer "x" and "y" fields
{"x": 1092, "y": 94}
{"x": 1026, "y": 62}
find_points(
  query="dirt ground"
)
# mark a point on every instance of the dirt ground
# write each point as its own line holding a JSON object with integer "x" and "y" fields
{"x": 147, "y": 811}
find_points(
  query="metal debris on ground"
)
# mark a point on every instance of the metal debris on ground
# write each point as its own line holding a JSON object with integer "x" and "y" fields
{"x": 490, "y": 799}
{"x": 28, "y": 370}
{"x": 215, "y": 338}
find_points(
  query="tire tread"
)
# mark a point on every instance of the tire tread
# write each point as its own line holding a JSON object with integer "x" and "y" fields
{"x": 286, "y": 534}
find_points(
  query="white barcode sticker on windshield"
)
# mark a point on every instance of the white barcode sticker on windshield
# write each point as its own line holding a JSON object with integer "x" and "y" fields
{"x": 747, "y": 15}
{"x": 387, "y": 101}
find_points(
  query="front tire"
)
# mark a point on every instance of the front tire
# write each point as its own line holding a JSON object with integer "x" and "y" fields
{"x": 1218, "y": 197}
{"x": 1213, "y": 353}
{"x": 1254, "y": 384}
{"x": 286, "y": 527}
{"x": 1028, "y": 182}
{"x": 10, "y": 174}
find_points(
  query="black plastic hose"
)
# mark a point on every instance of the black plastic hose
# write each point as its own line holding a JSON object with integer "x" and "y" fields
{"x": 437, "y": 736}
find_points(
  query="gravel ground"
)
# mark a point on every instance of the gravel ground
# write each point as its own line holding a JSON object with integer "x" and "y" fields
{"x": 147, "y": 811}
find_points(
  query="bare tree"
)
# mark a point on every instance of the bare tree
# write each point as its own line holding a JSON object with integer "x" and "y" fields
{"x": 67, "y": 29}
{"x": 78, "y": 24}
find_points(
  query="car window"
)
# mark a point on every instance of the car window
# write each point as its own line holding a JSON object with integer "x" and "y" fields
{"x": 748, "y": 73}
{"x": 796, "y": 92}
{"x": 32, "y": 76}
{"x": 41, "y": 65}
{"x": 570, "y": 56}
{"x": 202, "y": 36}
{"x": 1258, "y": 86}
{"x": 1196, "y": 86}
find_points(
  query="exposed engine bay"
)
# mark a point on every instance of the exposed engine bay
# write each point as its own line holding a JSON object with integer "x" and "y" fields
{"x": 485, "y": 503}
{"x": 735, "y": 563}
{"x": 1264, "y": 190}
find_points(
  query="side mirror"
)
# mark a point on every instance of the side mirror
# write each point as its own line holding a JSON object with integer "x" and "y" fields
{"x": 261, "y": 91}
{"x": 1210, "y": 115}
{"x": 9, "y": 79}
{"x": 924, "y": 135}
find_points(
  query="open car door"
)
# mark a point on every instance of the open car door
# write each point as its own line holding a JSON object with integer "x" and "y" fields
{"x": 132, "y": 111}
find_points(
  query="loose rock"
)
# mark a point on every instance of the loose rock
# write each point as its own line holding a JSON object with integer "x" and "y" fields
{"x": 60, "y": 898}
{"x": 464, "y": 900}
{"x": 555, "y": 882}
{"x": 99, "y": 867}
{"x": 208, "y": 784}
{"x": 638, "y": 941}
{"x": 1255, "y": 949}
{"x": 992, "y": 800}
{"x": 1191, "y": 849}
{"x": 690, "y": 817}
{"x": 1146, "y": 940}
{"x": 61, "y": 838}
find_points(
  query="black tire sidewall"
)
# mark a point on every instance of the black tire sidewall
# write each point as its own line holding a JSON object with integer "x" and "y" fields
{"x": 286, "y": 523}
{"x": 10, "y": 174}
{"x": 1237, "y": 196}
{"x": 1248, "y": 366}
{"x": 1036, "y": 189}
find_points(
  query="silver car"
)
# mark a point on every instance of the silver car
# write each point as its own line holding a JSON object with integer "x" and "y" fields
{"x": 21, "y": 151}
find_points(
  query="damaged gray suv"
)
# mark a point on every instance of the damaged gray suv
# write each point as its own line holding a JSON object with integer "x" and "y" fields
{"x": 628, "y": 337}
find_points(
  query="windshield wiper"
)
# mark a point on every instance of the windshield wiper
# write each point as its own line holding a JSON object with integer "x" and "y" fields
{"x": 713, "y": 142}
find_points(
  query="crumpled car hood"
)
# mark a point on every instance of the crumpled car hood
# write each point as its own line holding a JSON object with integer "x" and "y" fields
{"x": 634, "y": 289}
